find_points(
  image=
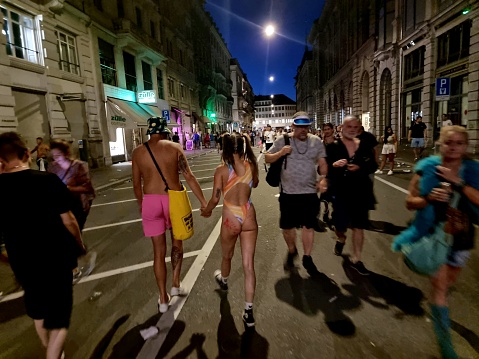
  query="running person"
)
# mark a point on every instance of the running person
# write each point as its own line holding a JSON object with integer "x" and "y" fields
{"x": 235, "y": 178}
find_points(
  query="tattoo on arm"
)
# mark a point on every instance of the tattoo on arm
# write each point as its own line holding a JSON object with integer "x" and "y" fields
{"x": 218, "y": 193}
{"x": 176, "y": 256}
{"x": 182, "y": 164}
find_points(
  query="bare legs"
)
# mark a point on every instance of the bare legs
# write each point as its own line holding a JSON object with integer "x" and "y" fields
{"x": 445, "y": 277}
{"x": 307, "y": 236}
{"x": 159, "y": 265}
{"x": 52, "y": 340}
{"x": 358, "y": 242}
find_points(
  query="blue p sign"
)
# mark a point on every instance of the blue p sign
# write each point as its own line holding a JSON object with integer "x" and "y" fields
{"x": 166, "y": 114}
{"x": 443, "y": 88}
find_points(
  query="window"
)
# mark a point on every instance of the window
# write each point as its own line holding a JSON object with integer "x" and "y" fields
{"x": 98, "y": 4}
{"x": 130, "y": 71}
{"x": 159, "y": 80}
{"x": 414, "y": 14}
{"x": 120, "y": 8}
{"x": 107, "y": 63}
{"x": 414, "y": 64}
{"x": 147, "y": 78}
{"x": 454, "y": 44}
{"x": 68, "y": 54}
{"x": 182, "y": 91}
{"x": 152, "y": 30}
{"x": 138, "y": 17}
{"x": 19, "y": 30}
{"x": 171, "y": 88}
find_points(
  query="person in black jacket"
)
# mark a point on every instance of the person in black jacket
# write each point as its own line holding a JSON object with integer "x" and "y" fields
{"x": 350, "y": 162}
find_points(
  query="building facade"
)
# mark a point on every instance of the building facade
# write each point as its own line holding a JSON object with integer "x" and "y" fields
{"x": 243, "y": 97}
{"x": 305, "y": 85}
{"x": 381, "y": 60}
{"x": 274, "y": 110}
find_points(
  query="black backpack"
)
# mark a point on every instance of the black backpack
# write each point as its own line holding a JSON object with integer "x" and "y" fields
{"x": 273, "y": 177}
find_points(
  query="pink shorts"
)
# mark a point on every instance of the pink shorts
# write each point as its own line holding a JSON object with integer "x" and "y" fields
{"x": 155, "y": 213}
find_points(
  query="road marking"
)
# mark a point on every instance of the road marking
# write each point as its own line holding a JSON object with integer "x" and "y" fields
{"x": 205, "y": 164}
{"x": 134, "y": 199}
{"x": 106, "y": 274}
{"x": 199, "y": 178}
{"x": 127, "y": 222}
{"x": 392, "y": 185}
{"x": 153, "y": 345}
{"x": 208, "y": 169}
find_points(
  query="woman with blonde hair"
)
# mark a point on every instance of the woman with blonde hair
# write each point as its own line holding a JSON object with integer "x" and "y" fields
{"x": 429, "y": 196}
{"x": 235, "y": 178}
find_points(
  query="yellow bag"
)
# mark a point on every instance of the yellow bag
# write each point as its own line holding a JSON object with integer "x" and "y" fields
{"x": 181, "y": 214}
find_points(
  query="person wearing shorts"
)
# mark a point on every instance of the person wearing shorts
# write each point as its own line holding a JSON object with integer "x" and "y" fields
{"x": 151, "y": 192}
{"x": 298, "y": 200}
{"x": 417, "y": 135}
{"x": 389, "y": 150}
{"x": 41, "y": 256}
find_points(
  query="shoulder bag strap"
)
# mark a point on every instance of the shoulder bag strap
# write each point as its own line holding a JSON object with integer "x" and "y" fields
{"x": 286, "y": 143}
{"x": 156, "y": 164}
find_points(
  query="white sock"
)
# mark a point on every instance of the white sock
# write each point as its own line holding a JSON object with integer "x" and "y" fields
{"x": 248, "y": 306}
{"x": 224, "y": 279}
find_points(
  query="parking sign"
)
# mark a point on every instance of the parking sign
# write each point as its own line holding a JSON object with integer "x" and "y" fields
{"x": 166, "y": 114}
{"x": 443, "y": 88}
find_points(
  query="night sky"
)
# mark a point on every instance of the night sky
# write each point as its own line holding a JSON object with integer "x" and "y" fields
{"x": 242, "y": 22}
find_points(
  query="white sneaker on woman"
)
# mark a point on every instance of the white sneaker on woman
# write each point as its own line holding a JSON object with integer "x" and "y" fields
{"x": 390, "y": 172}
{"x": 379, "y": 172}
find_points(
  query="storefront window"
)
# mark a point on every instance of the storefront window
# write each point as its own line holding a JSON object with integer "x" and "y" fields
{"x": 118, "y": 148}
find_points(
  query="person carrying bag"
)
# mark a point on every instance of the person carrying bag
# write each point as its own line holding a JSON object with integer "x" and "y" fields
{"x": 273, "y": 177}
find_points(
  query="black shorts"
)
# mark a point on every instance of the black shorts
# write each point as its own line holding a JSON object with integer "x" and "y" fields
{"x": 348, "y": 214}
{"x": 50, "y": 299}
{"x": 298, "y": 210}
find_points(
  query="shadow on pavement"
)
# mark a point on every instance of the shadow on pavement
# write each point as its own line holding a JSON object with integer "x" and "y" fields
{"x": 471, "y": 337}
{"x": 230, "y": 344}
{"x": 318, "y": 293}
{"x": 385, "y": 227}
{"x": 105, "y": 342}
{"x": 131, "y": 343}
{"x": 375, "y": 286}
{"x": 12, "y": 309}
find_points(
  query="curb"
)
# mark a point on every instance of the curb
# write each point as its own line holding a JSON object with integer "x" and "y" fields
{"x": 123, "y": 179}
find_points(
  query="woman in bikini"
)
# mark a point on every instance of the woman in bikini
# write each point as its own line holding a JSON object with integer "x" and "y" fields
{"x": 235, "y": 178}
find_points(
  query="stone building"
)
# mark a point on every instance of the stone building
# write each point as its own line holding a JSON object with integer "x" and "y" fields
{"x": 381, "y": 60}
{"x": 243, "y": 96}
{"x": 275, "y": 110}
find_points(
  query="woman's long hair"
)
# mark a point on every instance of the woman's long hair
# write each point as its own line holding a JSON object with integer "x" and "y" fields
{"x": 239, "y": 144}
{"x": 387, "y": 134}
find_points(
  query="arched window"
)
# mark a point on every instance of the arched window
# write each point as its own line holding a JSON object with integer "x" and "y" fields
{"x": 385, "y": 106}
{"x": 365, "y": 93}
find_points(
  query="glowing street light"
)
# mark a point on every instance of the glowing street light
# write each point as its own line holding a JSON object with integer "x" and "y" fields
{"x": 271, "y": 78}
{"x": 269, "y": 30}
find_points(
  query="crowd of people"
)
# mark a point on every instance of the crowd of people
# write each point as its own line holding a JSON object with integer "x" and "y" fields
{"x": 337, "y": 162}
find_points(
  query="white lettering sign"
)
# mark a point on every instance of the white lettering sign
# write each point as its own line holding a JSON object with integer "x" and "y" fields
{"x": 148, "y": 96}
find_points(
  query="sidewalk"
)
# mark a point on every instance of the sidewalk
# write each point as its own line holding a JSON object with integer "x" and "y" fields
{"x": 109, "y": 176}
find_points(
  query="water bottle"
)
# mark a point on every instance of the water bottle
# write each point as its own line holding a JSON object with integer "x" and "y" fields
{"x": 441, "y": 207}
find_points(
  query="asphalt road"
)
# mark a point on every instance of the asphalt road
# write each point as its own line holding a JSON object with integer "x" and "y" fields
{"x": 334, "y": 314}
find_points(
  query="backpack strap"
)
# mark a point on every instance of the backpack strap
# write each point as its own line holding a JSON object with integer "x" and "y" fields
{"x": 286, "y": 143}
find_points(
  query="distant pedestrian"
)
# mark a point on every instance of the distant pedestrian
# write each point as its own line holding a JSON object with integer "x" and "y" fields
{"x": 252, "y": 135}
{"x": 176, "y": 138}
{"x": 350, "y": 163}
{"x": 446, "y": 121}
{"x": 326, "y": 197}
{"x": 207, "y": 140}
{"x": 196, "y": 140}
{"x": 389, "y": 150}
{"x": 269, "y": 137}
{"x": 235, "y": 178}
{"x": 42, "y": 151}
{"x": 428, "y": 198}
{"x": 41, "y": 248}
{"x": 298, "y": 200}
{"x": 417, "y": 135}
{"x": 153, "y": 200}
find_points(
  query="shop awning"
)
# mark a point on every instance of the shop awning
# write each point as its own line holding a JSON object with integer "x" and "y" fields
{"x": 133, "y": 111}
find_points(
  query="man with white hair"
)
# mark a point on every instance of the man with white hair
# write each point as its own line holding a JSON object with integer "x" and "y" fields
{"x": 298, "y": 201}
{"x": 351, "y": 161}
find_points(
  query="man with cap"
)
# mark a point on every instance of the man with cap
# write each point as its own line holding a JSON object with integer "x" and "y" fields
{"x": 298, "y": 201}
{"x": 153, "y": 201}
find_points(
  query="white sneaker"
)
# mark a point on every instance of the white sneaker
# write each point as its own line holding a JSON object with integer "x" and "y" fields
{"x": 379, "y": 172}
{"x": 178, "y": 291}
{"x": 390, "y": 173}
{"x": 163, "y": 307}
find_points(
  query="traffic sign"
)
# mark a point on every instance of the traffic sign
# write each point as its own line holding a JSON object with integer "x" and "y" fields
{"x": 166, "y": 114}
{"x": 443, "y": 88}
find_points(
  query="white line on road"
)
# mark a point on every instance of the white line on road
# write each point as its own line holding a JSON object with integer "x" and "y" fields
{"x": 106, "y": 274}
{"x": 153, "y": 345}
{"x": 127, "y": 222}
{"x": 391, "y": 185}
{"x": 199, "y": 178}
{"x": 208, "y": 169}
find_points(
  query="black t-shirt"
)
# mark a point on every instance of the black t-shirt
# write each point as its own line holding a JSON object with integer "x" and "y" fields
{"x": 369, "y": 139}
{"x": 417, "y": 129}
{"x": 37, "y": 242}
{"x": 176, "y": 138}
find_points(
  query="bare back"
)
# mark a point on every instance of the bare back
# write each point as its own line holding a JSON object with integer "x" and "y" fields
{"x": 167, "y": 155}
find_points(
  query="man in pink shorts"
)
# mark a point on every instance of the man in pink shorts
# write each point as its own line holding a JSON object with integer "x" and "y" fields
{"x": 153, "y": 200}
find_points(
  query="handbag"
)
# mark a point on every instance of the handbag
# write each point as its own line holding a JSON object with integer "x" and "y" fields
{"x": 181, "y": 214}
{"x": 273, "y": 177}
{"x": 431, "y": 251}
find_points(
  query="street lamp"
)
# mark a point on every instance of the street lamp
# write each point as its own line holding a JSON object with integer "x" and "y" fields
{"x": 269, "y": 30}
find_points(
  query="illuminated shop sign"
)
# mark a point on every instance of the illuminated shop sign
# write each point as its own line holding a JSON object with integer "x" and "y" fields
{"x": 148, "y": 96}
